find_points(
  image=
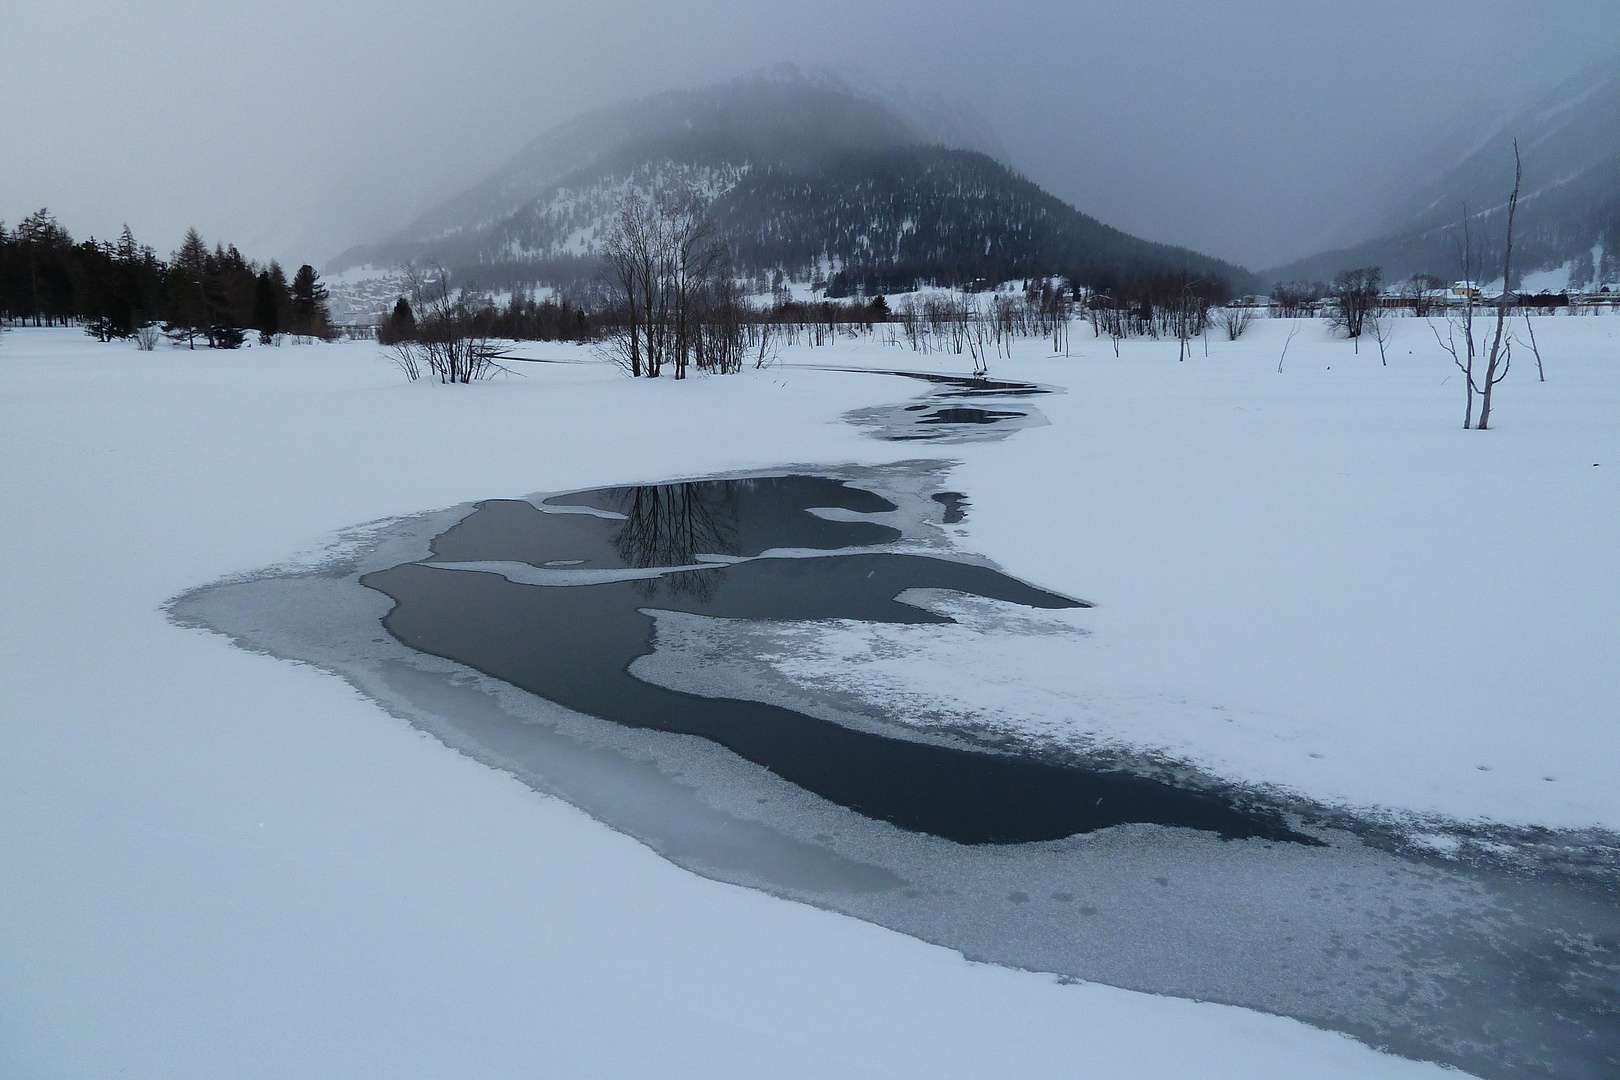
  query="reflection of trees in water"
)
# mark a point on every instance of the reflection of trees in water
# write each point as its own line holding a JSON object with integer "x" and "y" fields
{"x": 672, "y": 524}
{"x": 699, "y": 585}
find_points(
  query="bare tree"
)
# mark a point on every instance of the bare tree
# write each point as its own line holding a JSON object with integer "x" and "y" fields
{"x": 633, "y": 254}
{"x": 1422, "y": 290}
{"x": 671, "y": 280}
{"x": 1295, "y": 299}
{"x": 1460, "y": 341}
{"x": 1353, "y": 297}
{"x": 1058, "y": 308}
{"x": 1109, "y": 316}
{"x": 1292, "y": 330}
{"x": 450, "y": 340}
{"x": 1501, "y": 349}
{"x": 1377, "y": 324}
{"x": 1541, "y": 374}
{"x": 724, "y": 333}
{"x": 767, "y": 342}
{"x": 694, "y": 257}
{"x": 1187, "y": 314}
{"x": 1235, "y": 320}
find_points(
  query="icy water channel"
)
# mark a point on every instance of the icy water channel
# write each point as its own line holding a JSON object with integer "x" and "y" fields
{"x": 958, "y": 409}
{"x": 573, "y": 639}
{"x": 545, "y": 637}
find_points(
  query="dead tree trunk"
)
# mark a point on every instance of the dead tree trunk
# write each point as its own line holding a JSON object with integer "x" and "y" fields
{"x": 1501, "y": 350}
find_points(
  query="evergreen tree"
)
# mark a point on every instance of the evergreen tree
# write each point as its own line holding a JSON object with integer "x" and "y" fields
{"x": 140, "y": 277}
{"x": 114, "y": 285}
{"x": 278, "y": 280}
{"x": 239, "y": 283}
{"x": 115, "y": 288}
{"x": 46, "y": 259}
{"x": 223, "y": 327}
{"x": 8, "y": 287}
{"x": 266, "y": 308}
{"x": 187, "y": 315}
{"x": 227, "y": 336}
{"x": 400, "y": 324}
{"x": 311, "y": 318}
{"x": 96, "y": 294}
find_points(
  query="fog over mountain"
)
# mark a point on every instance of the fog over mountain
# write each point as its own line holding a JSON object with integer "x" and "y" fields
{"x": 776, "y": 113}
{"x": 1569, "y": 210}
{"x": 1256, "y": 131}
{"x": 808, "y": 173}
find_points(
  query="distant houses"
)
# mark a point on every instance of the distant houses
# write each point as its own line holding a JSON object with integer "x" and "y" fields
{"x": 1405, "y": 297}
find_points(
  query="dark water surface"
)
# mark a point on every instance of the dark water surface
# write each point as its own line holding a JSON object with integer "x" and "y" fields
{"x": 961, "y": 414}
{"x": 574, "y": 643}
{"x": 943, "y": 415}
{"x": 955, "y": 504}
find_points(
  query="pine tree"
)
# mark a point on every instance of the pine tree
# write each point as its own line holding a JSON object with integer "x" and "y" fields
{"x": 227, "y": 336}
{"x": 278, "y": 281}
{"x": 222, "y": 270}
{"x": 140, "y": 281}
{"x": 48, "y": 283}
{"x": 96, "y": 295}
{"x": 239, "y": 279}
{"x": 400, "y": 324}
{"x": 124, "y": 313}
{"x": 311, "y": 318}
{"x": 266, "y": 308}
{"x": 188, "y": 300}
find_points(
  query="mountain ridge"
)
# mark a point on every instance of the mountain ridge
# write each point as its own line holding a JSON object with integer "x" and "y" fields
{"x": 883, "y": 196}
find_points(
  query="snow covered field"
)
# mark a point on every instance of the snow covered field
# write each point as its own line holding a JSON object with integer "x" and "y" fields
{"x": 213, "y": 863}
{"x": 1314, "y": 579}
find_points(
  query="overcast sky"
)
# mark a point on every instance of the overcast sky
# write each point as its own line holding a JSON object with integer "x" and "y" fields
{"x": 1257, "y": 131}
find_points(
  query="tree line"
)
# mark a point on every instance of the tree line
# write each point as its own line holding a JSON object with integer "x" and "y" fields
{"x": 671, "y": 301}
{"x": 521, "y": 318}
{"x": 457, "y": 336}
{"x": 120, "y": 288}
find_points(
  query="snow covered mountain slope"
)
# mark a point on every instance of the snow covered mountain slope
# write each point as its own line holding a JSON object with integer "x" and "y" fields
{"x": 754, "y": 109}
{"x": 1569, "y": 209}
{"x": 805, "y": 171}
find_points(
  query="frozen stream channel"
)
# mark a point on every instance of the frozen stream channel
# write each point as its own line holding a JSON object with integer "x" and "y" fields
{"x": 554, "y": 637}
